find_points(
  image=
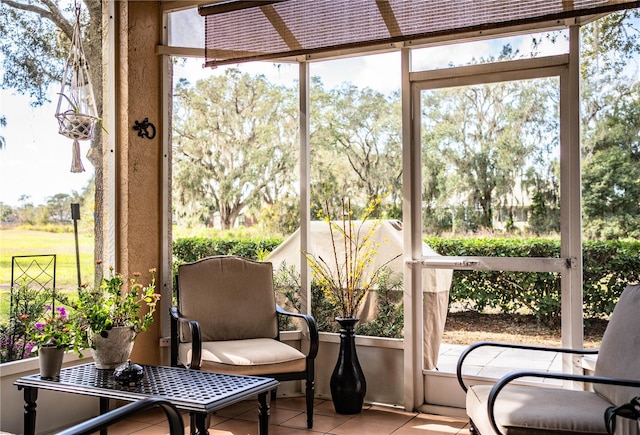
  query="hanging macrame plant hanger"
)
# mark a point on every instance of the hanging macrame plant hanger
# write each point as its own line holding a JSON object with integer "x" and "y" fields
{"x": 76, "y": 112}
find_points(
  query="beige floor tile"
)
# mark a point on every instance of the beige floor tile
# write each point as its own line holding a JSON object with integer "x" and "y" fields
{"x": 152, "y": 430}
{"x": 235, "y": 427}
{"x": 299, "y": 403}
{"x": 126, "y": 427}
{"x": 432, "y": 425}
{"x": 238, "y": 408}
{"x": 282, "y": 430}
{"x": 326, "y": 408}
{"x": 150, "y": 416}
{"x": 378, "y": 414}
{"x": 321, "y": 423}
{"x": 276, "y": 416}
{"x": 364, "y": 427}
{"x": 288, "y": 417}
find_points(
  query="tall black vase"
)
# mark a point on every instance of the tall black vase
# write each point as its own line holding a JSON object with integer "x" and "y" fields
{"x": 348, "y": 385}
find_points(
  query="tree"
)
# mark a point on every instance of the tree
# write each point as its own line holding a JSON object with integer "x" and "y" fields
{"x": 610, "y": 110}
{"x": 35, "y": 36}
{"x": 5, "y": 211}
{"x": 482, "y": 137}
{"x": 59, "y": 207}
{"x": 611, "y": 174}
{"x": 234, "y": 143}
{"x": 363, "y": 127}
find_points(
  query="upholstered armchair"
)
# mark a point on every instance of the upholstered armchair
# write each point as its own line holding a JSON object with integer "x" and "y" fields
{"x": 507, "y": 408}
{"x": 226, "y": 321}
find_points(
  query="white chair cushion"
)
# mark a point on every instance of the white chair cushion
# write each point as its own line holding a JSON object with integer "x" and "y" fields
{"x": 246, "y": 357}
{"x": 535, "y": 410}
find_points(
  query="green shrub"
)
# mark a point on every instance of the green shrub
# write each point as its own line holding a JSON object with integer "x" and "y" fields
{"x": 608, "y": 267}
{"x": 29, "y": 306}
{"x": 188, "y": 249}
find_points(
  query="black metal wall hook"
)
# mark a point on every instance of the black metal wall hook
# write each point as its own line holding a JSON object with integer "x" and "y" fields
{"x": 143, "y": 128}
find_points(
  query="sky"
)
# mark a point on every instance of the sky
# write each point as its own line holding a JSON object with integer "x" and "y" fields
{"x": 36, "y": 160}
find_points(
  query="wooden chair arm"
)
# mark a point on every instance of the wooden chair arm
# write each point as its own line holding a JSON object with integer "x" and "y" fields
{"x": 312, "y": 327}
{"x": 196, "y": 338}
{"x": 479, "y": 344}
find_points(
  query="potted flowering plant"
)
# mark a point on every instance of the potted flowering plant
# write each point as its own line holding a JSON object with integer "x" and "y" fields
{"x": 109, "y": 318}
{"x": 53, "y": 336}
{"x": 348, "y": 275}
{"x": 56, "y": 330}
{"x": 345, "y": 279}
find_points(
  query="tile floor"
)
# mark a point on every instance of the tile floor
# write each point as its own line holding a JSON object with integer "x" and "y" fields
{"x": 288, "y": 418}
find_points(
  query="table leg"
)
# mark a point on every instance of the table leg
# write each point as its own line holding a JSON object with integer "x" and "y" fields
{"x": 199, "y": 421}
{"x": 104, "y": 408}
{"x": 30, "y": 397}
{"x": 263, "y": 417}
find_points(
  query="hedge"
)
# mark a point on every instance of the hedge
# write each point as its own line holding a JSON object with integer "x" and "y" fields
{"x": 190, "y": 249}
{"x": 608, "y": 267}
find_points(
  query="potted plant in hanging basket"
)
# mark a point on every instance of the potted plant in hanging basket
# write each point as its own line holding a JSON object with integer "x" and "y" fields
{"x": 73, "y": 123}
{"x": 53, "y": 336}
{"x": 346, "y": 278}
{"x": 110, "y": 318}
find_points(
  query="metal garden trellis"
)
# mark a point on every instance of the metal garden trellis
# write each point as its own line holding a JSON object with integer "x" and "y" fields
{"x": 76, "y": 111}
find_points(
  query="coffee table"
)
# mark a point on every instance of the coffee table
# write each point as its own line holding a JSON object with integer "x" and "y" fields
{"x": 195, "y": 391}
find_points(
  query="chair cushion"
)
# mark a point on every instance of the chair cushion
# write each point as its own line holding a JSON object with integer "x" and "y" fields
{"x": 247, "y": 357}
{"x": 537, "y": 410}
{"x": 619, "y": 354}
{"x": 232, "y": 298}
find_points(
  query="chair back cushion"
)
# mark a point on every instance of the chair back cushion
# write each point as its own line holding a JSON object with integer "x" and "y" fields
{"x": 231, "y": 297}
{"x": 619, "y": 354}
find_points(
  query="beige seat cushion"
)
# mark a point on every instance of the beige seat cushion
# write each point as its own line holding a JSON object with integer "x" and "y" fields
{"x": 246, "y": 357}
{"x": 535, "y": 410}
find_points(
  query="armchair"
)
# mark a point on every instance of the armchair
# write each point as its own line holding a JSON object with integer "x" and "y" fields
{"x": 226, "y": 321}
{"x": 504, "y": 408}
{"x": 102, "y": 422}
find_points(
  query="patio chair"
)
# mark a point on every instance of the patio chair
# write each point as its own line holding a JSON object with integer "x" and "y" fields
{"x": 102, "y": 422}
{"x": 504, "y": 408}
{"x": 226, "y": 321}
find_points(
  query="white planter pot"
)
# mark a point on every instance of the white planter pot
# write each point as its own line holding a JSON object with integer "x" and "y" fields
{"x": 111, "y": 351}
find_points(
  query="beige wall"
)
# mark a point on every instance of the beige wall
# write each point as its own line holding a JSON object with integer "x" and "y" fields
{"x": 136, "y": 230}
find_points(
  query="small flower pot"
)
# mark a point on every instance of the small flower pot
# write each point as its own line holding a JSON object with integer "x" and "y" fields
{"x": 50, "y": 359}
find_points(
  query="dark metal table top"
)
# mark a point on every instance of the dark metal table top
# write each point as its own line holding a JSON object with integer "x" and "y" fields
{"x": 192, "y": 390}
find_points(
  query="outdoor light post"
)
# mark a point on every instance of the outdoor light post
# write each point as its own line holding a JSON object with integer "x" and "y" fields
{"x": 75, "y": 215}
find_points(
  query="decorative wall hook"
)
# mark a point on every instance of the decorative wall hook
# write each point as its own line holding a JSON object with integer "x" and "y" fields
{"x": 143, "y": 129}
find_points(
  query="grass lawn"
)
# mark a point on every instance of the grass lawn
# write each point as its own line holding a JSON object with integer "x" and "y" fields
{"x": 25, "y": 242}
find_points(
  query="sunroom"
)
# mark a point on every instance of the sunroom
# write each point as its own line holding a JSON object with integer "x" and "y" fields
{"x": 143, "y": 40}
